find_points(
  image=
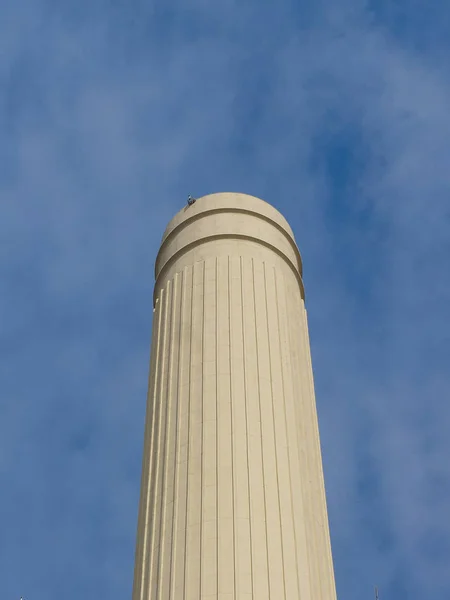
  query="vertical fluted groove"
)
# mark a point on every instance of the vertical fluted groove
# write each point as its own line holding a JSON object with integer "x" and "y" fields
{"x": 170, "y": 445}
{"x": 166, "y": 400}
{"x": 188, "y": 444}
{"x": 311, "y": 468}
{"x": 314, "y": 467}
{"x": 180, "y": 498}
{"x": 154, "y": 441}
{"x": 268, "y": 319}
{"x": 274, "y": 541}
{"x": 285, "y": 463}
{"x": 290, "y": 388}
{"x": 260, "y": 433}
{"x": 144, "y": 504}
{"x": 159, "y": 439}
{"x": 226, "y": 540}
{"x": 325, "y": 555}
{"x": 176, "y": 476}
{"x": 302, "y": 400}
{"x": 194, "y": 504}
{"x": 246, "y": 440}
{"x": 232, "y": 432}
{"x": 195, "y": 476}
{"x": 154, "y": 447}
{"x": 209, "y": 456}
{"x": 308, "y": 411}
{"x": 202, "y": 425}
{"x": 161, "y": 467}
{"x": 217, "y": 424}
{"x": 243, "y": 567}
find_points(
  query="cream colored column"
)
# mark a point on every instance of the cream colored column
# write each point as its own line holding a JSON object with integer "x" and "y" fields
{"x": 232, "y": 500}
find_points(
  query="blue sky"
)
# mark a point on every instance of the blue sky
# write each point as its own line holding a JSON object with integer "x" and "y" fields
{"x": 111, "y": 113}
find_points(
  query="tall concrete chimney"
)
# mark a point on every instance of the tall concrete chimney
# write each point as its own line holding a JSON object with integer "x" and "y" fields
{"x": 232, "y": 501}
